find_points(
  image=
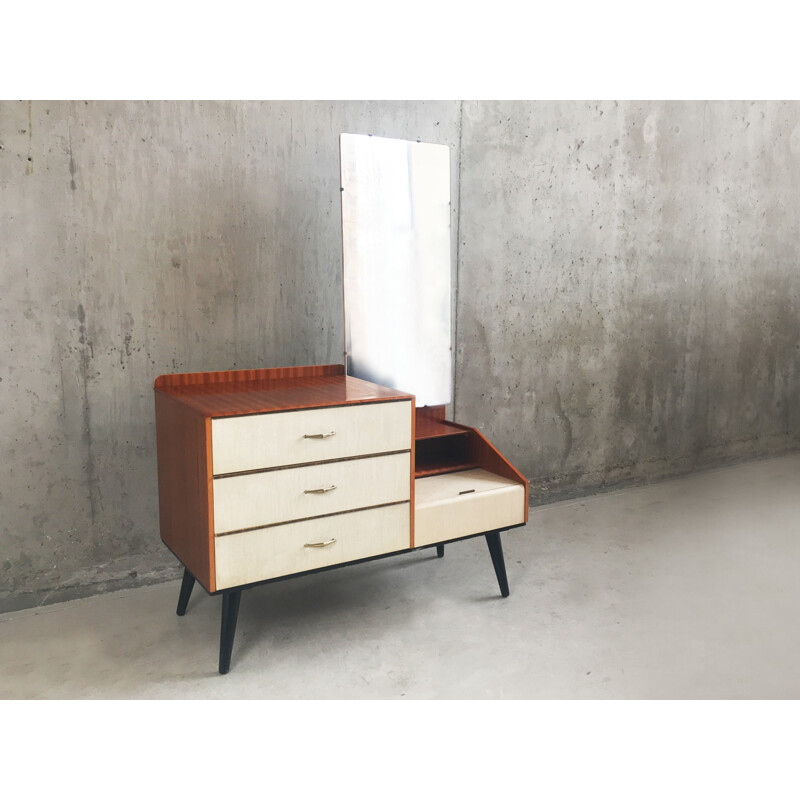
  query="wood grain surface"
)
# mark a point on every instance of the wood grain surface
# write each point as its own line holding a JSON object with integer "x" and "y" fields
{"x": 185, "y": 497}
{"x": 216, "y": 397}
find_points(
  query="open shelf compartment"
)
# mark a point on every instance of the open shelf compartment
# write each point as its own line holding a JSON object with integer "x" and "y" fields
{"x": 440, "y": 446}
{"x": 440, "y": 454}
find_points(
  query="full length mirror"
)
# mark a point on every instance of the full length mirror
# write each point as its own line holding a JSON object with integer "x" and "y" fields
{"x": 396, "y": 256}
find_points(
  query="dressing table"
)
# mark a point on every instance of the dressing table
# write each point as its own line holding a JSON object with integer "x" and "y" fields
{"x": 267, "y": 474}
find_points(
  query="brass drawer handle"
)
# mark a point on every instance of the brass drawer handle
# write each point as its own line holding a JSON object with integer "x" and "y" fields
{"x": 319, "y": 544}
{"x": 319, "y": 491}
{"x": 318, "y": 435}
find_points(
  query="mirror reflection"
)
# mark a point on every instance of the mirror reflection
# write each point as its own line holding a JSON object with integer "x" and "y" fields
{"x": 396, "y": 256}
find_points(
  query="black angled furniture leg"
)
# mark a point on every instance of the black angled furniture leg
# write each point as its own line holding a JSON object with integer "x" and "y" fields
{"x": 440, "y": 551}
{"x": 186, "y": 592}
{"x": 496, "y": 552}
{"x": 230, "y": 612}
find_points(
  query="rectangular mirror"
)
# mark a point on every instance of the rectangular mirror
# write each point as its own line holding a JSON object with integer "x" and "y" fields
{"x": 396, "y": 257}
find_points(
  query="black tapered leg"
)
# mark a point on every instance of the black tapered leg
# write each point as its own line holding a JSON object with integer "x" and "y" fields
{"x": 440, "y": 551}
{"x": 230, "y": 612}
{"x": 186, "y": 592}
{"x": 496, "y": 552}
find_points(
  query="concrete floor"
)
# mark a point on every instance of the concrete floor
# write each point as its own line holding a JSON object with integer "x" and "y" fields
{"x": 684, "y": 589}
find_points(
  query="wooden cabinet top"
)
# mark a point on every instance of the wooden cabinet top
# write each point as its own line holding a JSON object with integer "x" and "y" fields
{"x": 255, "y": 391}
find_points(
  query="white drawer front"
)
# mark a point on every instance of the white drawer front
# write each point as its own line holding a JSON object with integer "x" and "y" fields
{"x": 282, "y": 495}
{"x": 463, "y": 503}
{"x": 270, "y": 552}
{"x": 261, "y": 441}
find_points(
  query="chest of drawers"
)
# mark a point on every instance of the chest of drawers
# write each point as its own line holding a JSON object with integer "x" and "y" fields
{"x": 265, "y": 474}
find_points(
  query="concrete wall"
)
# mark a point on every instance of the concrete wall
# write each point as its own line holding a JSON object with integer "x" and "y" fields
{"x": 143, "y": 238}
{"x": 629, "y": 286}
{"x": 628, "y": 293}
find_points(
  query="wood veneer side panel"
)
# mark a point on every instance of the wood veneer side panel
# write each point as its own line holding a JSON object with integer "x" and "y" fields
{"x": 184, "y": 495}
{"x": 209, "y": 504}
{"x": 413, "y": 471}
{"x": 244, "y": 375}
{"x": 487, "y": 456}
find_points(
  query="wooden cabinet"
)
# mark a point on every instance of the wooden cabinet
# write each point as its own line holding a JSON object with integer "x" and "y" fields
{"x": 264, "y": 474}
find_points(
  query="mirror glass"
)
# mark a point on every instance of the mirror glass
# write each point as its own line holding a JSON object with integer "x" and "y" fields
{"x": 396, "y": 256}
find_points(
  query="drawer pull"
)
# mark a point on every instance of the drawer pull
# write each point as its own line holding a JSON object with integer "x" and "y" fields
{"x": 467, "y": 491}
{"x": 319, "y": 491}
{"x": 319, "y": 544}
{"x": 318, "y": 435}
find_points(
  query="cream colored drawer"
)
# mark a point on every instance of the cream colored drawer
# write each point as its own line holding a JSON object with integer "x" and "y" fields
{"x": 463, "y": 503}
{"x": 281, "y": 550}
{"x": 261, "y": 441}
{"x": 282, "y": 495}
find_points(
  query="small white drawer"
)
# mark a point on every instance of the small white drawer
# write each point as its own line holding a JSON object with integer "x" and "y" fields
{"x": 282, "y": 495}
{"x": 261, "y": 441}
{"x": 281, "y": 550}
{"x": 463, "y": 503}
